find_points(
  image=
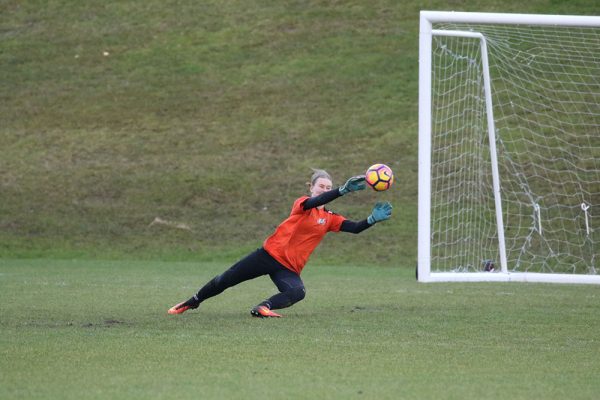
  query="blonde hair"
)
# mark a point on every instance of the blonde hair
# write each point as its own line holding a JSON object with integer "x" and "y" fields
{"x": 318, "y": 173}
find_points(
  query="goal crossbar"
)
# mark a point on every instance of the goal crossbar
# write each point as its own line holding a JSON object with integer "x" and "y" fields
{"x": 430, "y": 17}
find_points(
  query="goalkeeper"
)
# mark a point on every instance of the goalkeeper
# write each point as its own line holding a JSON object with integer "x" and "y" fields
{"x": 284, "y": 253}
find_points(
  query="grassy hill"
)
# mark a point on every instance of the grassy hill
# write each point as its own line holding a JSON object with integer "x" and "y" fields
{"x": 208, "y": 115}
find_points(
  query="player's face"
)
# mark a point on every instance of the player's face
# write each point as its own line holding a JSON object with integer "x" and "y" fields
{"x": 321, "y": 185}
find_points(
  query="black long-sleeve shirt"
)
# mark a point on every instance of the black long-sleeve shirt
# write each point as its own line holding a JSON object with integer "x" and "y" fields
{"x": 326, "y": 197}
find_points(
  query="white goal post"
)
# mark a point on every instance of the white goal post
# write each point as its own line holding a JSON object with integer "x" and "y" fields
{"x": 509, "y": 148}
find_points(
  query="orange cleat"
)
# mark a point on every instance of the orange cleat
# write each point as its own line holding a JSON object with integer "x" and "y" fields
{"x": 263, "y": 312}
{"x": 178, "y": 309}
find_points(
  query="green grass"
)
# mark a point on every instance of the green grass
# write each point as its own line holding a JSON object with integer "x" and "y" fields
{"x": 99, "y": 329}
{"x": 209, "y": 114}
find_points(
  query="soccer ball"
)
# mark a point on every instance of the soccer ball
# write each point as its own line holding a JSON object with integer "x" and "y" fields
{"x": 380, "y": 177}
{"x": 488, "y": 266}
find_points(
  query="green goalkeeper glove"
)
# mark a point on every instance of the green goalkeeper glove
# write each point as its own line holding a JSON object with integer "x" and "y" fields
{"x": 381, "y": 212}
{"x": 353, "y": 184}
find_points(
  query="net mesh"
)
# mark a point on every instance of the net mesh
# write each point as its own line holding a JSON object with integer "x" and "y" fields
{"x": 546, "y": 103}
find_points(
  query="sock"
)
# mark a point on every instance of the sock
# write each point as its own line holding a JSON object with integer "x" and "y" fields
{"x": 265, "y": 303}
{"x": 193, "y": 302}
{"x": 286, "y": 299}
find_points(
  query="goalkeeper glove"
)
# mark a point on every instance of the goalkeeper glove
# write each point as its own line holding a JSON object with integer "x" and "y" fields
{"x": 381, "y": 212}
{"x": 353, "y": 184}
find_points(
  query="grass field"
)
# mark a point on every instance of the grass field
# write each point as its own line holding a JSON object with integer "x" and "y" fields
{"x": 211, "y": 114}
{"x": 94, "y": 329}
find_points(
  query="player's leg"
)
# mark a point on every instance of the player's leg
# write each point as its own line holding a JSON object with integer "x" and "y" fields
{"x": 250, "y": 267}
{"x": 291, "y": 290}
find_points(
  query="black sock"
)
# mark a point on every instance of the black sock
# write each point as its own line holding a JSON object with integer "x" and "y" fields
{"x": 212, "y": 288}
{"x": 192, "y": 302}
{"x": 265, "y": 303}
{"x": 286, "y": 299}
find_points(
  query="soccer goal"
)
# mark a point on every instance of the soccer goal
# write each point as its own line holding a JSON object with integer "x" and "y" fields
{"x": 509, "y": 148}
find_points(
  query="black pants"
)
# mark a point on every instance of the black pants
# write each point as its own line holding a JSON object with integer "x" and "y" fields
{"x": 257, "y": 264}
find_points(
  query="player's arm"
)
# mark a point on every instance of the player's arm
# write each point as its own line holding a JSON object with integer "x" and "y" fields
{"x": 381, "y": 212}
{"x": 352, "y": 185}
{"x": 354, "y": 226}
{"x": 321, "y": 199}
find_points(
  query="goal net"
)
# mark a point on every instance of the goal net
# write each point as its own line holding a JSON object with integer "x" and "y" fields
{"x": 509, "y": 148}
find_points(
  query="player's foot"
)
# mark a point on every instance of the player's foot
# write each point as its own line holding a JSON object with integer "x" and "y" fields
{"x": 263, "y": 312}
{"x": 178, "y": 309}
{"x": 183, "y": 307}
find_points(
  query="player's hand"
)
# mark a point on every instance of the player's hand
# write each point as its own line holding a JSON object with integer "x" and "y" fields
{"x": 353, "y": 184}
{"x": 381, "y": 212}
